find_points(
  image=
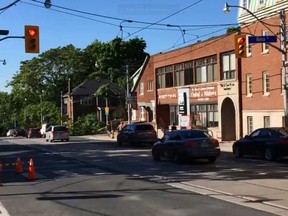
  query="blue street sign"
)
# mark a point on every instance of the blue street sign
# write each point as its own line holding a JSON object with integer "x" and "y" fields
{"x": 262, "y": 39}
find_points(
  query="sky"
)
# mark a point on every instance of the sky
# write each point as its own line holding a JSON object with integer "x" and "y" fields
{"x": 164, "y": 25}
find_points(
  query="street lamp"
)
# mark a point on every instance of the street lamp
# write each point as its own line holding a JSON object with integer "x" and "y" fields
{"x": 3, "y": 61}
{"x": 283, "y": 50}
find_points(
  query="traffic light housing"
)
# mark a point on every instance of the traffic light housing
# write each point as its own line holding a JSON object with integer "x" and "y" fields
{"x": 32, "y": 42}
{"x": 241, "y": 45}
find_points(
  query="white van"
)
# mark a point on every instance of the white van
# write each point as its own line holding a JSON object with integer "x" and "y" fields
{"x": 43, "y": 129}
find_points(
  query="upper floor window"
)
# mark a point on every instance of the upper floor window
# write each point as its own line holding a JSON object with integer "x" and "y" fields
{"x": 150, "y": 85}
{"x": 141, "y": 88}
{"x": 245, "y": 4}
{"x": 262, "y": 2}
{"x": 206, "y": 69}
{"x": 248, "y": 84}
{"x": 228, "y": 66}
{"x": 266, "y": 83}
{"x": 265, "y": 46}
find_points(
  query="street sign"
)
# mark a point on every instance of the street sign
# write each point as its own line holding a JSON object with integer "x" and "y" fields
{"x": 262, "y": 39}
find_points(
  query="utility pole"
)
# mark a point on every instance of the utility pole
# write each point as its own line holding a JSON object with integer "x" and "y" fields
{"x": 61, "y": 111}
{"x": 284, "y": 63}
{"x": 128, "y": 98}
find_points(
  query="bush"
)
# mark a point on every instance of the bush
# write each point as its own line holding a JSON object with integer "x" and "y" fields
{"x": 86, "y": 125}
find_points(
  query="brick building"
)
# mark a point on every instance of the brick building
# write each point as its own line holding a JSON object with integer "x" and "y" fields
{"x": 205, "y": 85}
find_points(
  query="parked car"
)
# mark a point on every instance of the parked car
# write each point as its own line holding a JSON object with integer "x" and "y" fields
{"x": 20, "y": 132}
{"x": 43, "y": 129}
{"x": 270, "y": 143}
{"x": 11, "y": 132}
{"x": 34, "y": 133}
{"x": 137, "y": 133}
{"x": 186, "y": 144}
{"x": 57, "y": 132}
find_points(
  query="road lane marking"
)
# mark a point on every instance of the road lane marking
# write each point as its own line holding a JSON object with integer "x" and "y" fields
{"x": 3, "y": 211}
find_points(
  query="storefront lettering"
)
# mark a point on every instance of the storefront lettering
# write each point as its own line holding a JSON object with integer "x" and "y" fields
{"x": 167, "y": 96}
{"x": 203, "y": 93}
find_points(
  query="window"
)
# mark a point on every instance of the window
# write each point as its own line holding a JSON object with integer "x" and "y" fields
{"x": 265, "y": 46}
{"x": 179, "y": 75}
{"x": 266, "y": 121}
{"x": 245, "y": 4}
{"x": 150, "y": 85}
{"x": 261, "y": 2}
{"x": 205, "y": 115}
{"x": 188, "y": 73}
{"x": 228, "y": 66}
{"x": 141, "y": 88}
{"x": 248, "y": 84}
{"x": 173, "y": 115}
{"x": 249, "y": 124}
{"x": 206, "y": 69}
{"x": 266, "y": 83}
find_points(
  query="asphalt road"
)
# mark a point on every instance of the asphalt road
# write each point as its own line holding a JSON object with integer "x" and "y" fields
{"x": 85, "y": 177}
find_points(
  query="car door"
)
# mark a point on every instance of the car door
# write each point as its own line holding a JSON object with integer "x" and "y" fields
{"x": 264, "y": 137}
{"x": 249, "y": 144}
{"x": 125, "y": 134}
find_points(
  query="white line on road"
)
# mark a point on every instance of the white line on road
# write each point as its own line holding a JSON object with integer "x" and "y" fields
{"x": 3, "y": 211}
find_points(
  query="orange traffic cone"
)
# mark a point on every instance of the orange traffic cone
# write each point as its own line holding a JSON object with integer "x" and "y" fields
{"x": 31, "y": 171}
{"x": 18, "y": 166}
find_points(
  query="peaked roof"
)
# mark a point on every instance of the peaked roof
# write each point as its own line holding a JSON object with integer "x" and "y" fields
{"x": 138, "y": 74}
{"x": 89, "y": 87}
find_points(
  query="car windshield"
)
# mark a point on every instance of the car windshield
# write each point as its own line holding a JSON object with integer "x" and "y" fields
{"x": 144, "y": 127}
{"x": 194, "y": 134}
{"x": 60, "y": 129}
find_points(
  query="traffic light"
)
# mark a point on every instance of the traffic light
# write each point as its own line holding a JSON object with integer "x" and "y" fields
{"x": 32, "y": 39}
{"x": 241, "y": 46}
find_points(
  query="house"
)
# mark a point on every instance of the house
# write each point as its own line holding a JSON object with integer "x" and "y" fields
{"x": 83, "y": 100}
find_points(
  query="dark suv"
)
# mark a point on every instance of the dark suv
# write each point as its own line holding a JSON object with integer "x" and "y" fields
{"x": 137, "y": 133}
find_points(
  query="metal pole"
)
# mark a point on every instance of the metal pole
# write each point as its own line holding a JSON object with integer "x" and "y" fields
{"x": 41, "y": 110}
{"x": 61, "y": 107}
{"x": 128, "y": 95}
{"x": 283, "y": 63}
{"x": 106, "y": 113}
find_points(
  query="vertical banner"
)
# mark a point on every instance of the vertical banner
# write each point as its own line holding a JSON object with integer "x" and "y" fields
{"x": 184, "y": 107}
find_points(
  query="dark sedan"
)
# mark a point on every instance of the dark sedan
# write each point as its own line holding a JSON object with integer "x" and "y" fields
{"x": 179, "y": 145}
{"x": 137, "y": 133}
{"x": 270, "y": 143}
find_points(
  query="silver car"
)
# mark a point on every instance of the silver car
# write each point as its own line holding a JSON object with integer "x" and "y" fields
{"x": 57, "y": 132}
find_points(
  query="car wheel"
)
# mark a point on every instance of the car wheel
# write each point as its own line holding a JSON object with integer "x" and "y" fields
{"x": 269, "y": 156}
{"x": 237, "y": 152}
{"x": 212, "y": 159}
{"x": 67, "y": 140}
{"x": 51, "y": 140}
{"x": 155, "y": 155}
{"x": 47, "y": 140}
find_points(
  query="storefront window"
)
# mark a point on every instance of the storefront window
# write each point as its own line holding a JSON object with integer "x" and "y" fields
{"x": 205, "y": 115}
{"x": 174, "y": 114}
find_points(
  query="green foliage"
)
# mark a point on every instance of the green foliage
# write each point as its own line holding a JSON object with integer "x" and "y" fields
{"x": 37, "y": 86}
{"x": 231, "y": 30}
{"x": 87, "y": 125}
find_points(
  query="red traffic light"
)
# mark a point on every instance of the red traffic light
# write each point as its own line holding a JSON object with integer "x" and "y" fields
{"x": 32, "y": 39}
{"x": 32, "y": 32}
{"x": 241, "y": 46}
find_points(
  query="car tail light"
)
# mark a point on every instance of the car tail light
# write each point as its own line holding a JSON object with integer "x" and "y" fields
{"x": 284, "y": 140}
{"x": 215, "y": 142}
{"x": 190, "y": 144}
